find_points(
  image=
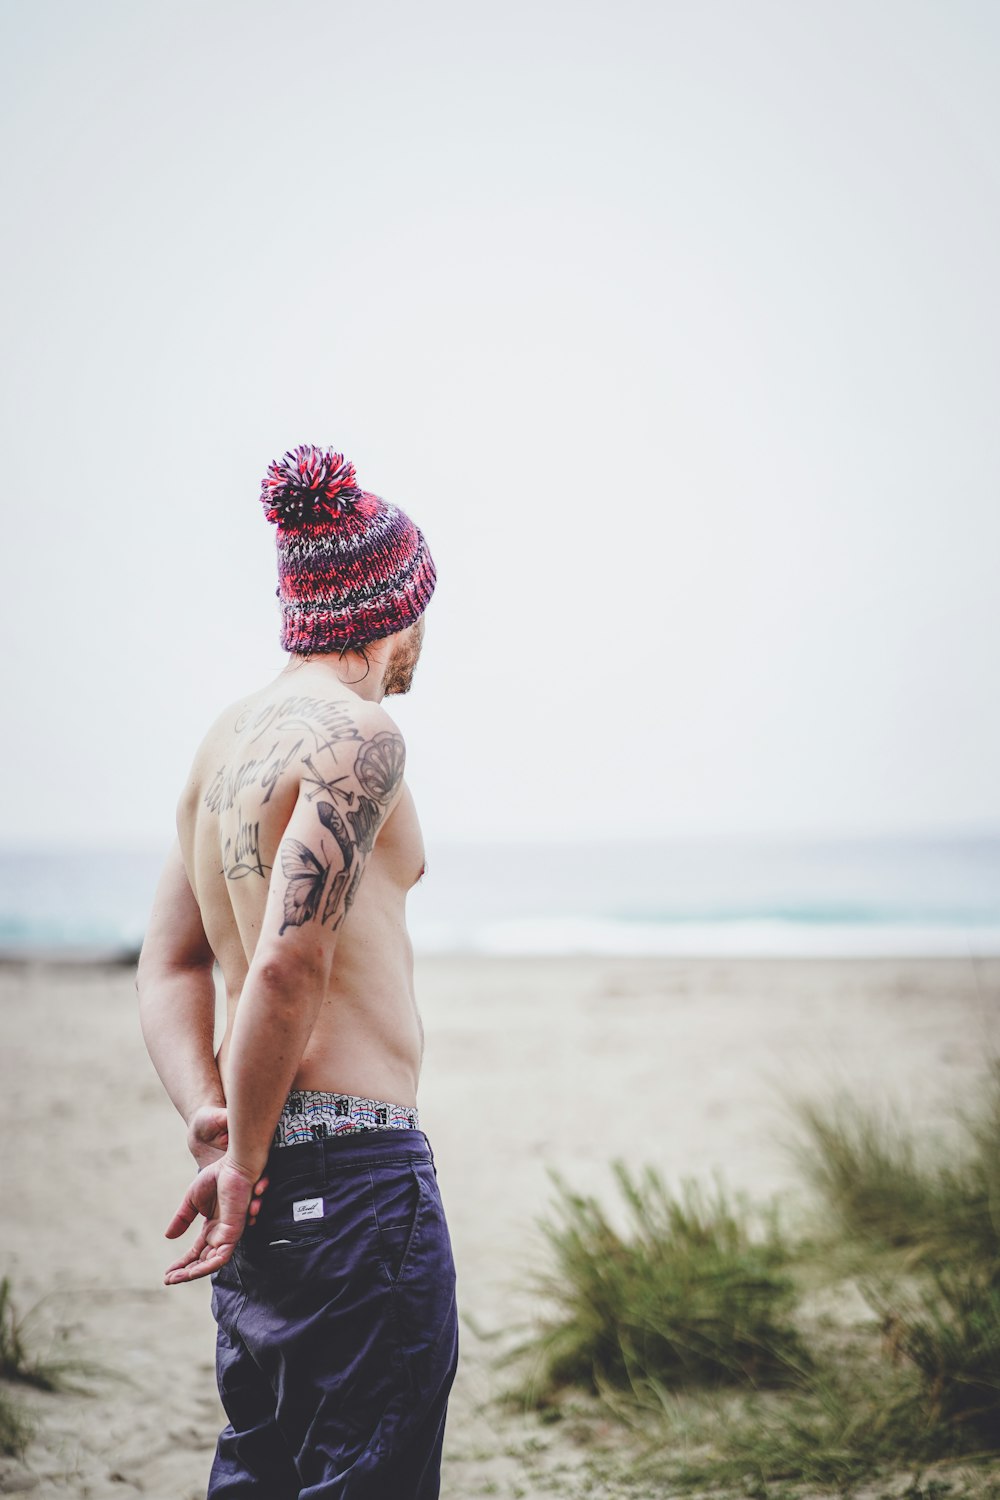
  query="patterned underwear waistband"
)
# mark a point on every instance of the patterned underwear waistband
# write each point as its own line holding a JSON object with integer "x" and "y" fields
{"x": 312, "y": 1114}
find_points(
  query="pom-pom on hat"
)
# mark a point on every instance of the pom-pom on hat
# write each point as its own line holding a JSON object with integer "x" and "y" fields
{"x": 351, "y": 567}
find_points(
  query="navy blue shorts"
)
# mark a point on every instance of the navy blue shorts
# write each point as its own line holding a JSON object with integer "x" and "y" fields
{"x": 337, "y": 1327}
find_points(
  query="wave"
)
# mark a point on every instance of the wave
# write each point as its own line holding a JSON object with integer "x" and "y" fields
{"x": 866, "y": 898}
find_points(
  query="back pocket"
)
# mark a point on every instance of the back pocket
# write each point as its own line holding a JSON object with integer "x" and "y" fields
{"x": 303, "y": 1211}
{"x": 397, "y": 1198}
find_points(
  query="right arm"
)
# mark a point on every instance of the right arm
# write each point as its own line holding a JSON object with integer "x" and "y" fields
{"x": 317, "y": 870}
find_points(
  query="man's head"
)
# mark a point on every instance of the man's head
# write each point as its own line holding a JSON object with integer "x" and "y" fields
{"x": 352, "y": 569}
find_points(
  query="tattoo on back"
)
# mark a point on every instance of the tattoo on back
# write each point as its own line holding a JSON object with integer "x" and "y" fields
{"x": 241, "y": 856}
{"x": 319, "y": 886}
{"x": 227, "y": 784}
{"x": 328, "y": 723}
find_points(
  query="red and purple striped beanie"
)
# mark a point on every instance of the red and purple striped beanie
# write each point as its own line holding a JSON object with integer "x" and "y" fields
{"x": 351, "y": 567}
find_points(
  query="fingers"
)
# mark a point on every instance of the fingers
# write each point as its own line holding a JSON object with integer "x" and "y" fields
{"x": 197, "y": 1248}
{"x": 197, "y": 1263}
{"x": 183, "y": 1218}
{"x": 254, "y": 1209}
{"x": 211, "y": 1248}
{"x": 200, "y": 1198}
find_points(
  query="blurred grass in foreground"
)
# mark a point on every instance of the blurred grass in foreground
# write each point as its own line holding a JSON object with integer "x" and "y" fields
{"x": 742, "y": 1357}
{"x": 881, "y": 1188}
{"x": 687, "y": 1295}
{"x": 20, "y": 1364}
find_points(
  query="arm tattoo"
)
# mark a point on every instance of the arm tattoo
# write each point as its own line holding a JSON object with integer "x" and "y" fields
{"x": 306, "y": 878}
{"x": 365, "y": 823}
{"x": 331, "y": 819}
{"x": 317, "y": 780}
{"x": 378, "y": 771}
{"x": 379, "y": 766}
{"x": 333, "y": 895}
{"x": 352, "y": 888}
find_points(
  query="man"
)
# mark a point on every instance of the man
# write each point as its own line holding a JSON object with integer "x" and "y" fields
{"x": 323, "y": 1231}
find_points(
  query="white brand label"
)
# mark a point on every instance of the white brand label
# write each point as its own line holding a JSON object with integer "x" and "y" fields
{"x": 308, "y": 1208}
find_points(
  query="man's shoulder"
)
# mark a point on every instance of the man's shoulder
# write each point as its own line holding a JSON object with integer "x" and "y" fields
{"x": 278, "y": 731}
{"x": 283, "y": 709}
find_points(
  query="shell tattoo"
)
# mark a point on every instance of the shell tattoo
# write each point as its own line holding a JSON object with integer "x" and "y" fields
{"x": 379, "y": 766}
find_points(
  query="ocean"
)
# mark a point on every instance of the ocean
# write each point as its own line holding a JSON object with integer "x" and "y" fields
{"x": 864, "y": 897}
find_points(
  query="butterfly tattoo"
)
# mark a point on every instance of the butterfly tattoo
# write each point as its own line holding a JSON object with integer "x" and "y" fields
{"x": 306, "y": 878}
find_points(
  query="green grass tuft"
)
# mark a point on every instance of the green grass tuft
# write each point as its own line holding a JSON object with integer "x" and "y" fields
{"x": 689, "y": 1328}
{"x": 20, "y": 1364}
{"x": 949, "y": 1330}
{"x": 16, "y": 1362}
{"x": 688, "y": 1295}
{"x": 15, "y": 1429}
{"x": 881, "y": 1188}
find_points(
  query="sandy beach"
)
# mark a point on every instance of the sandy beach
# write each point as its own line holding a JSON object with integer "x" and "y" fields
{"x": 530, "y": 1064}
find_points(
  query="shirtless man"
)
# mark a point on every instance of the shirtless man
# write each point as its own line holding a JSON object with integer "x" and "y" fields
{"x": 323, "y": 1228}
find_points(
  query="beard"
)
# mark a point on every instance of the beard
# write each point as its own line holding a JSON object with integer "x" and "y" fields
{"x": 403, "y": 661}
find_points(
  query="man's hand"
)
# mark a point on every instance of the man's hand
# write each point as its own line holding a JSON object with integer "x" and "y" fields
{"x": 229, "y": 1199}
{"x": 208, "y": 1133}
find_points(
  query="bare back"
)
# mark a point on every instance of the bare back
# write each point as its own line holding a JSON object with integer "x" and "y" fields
{"x": 298, "y": 738}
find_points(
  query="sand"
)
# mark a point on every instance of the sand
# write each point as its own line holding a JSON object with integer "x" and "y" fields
{"x": 530, "y": 1064}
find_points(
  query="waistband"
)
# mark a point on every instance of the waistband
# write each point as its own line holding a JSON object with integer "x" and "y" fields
{"x": 328, "y": 1158}
{"x": 317, "y": 1114}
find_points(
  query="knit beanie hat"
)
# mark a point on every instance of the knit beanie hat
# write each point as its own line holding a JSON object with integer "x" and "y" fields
{"x": 351, "y": 567}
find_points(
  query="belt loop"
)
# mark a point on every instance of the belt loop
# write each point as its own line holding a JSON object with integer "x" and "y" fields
{"x": 430, "y": 1149}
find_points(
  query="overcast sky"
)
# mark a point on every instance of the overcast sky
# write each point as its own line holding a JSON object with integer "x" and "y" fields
{"x": 674, "y": 326}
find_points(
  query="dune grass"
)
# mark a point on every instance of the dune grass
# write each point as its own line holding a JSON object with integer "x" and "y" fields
{"x": 702, "y": 1293}
{"x": 22, "y": 1364}
{"x": 15, "y": 1429}
{"x": 949, "y": 1331}
{"x": 865, "y": 1168}
{"x": 882, "y": 1187}
{"x": 694, "y": 1292}
{"x": 844, "y": 1424}
{"x": 15, "y": 1364}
